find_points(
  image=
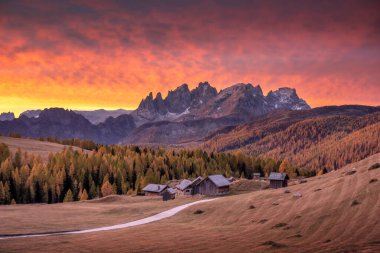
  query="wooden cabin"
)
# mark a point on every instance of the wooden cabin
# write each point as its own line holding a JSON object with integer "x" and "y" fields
{"x": 278, "y": 180}
{"x": 212, "y": 185}
{"x": 154, "y": 189}
{"x": 168, "y": 194}
{"x": 184, "y": 187}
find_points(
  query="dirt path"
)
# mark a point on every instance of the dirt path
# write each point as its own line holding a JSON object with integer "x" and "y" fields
{"x": 156, "y": 217}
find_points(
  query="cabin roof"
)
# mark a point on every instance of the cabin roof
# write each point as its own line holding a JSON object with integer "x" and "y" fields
{"x": 184, "y": 184}
{"x": 278, "y": 176}
{"x": 171, "y": 190}
{"x": 219, "y": 180}
{"x": 155, "y": 188}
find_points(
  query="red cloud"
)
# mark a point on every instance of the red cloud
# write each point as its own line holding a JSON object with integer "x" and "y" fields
{"x": 97, "y": 54}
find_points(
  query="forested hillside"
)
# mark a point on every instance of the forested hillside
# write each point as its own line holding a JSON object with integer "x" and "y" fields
{"x": 319, "y": 141}
{"x": 73, "y": 175}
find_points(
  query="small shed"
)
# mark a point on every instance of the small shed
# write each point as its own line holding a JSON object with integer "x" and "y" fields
{"x": 212, "y": 185}
{"x": 278, "y": 180}
{"x": 168, "y": 194}
{"x": 154, "y": 189}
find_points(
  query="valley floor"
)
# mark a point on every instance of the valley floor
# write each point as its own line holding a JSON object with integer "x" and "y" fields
{"x": 337, "y": 212}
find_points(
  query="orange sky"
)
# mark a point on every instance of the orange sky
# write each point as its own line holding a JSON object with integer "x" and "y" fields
{"x": 91, "y": 54}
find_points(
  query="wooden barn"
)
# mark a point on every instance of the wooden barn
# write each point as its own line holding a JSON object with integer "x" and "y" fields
{"x": 154, "y": 189}
{"x": 278, "y": 180}
{"x": 212, "y": 185}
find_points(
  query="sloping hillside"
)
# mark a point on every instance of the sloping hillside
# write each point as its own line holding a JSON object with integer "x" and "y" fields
{"x": 326, "y": 137}
{"x": 336, "y": 212}
{"x": 38, "y": 148}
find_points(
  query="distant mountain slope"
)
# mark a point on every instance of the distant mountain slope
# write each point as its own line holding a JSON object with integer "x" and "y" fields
{"x": 35, "y": 147}
{"x": 100, "y": 116}
{"x": 176, "y": 132}
{"x": 95, "y": 117}
{"x": 64, "y": 124}
{"x": 6, "y": 116}
{"x": 326, "y": 137}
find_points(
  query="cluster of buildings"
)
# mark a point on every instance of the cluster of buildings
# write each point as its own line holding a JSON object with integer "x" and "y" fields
{"x": 213, "y": 185}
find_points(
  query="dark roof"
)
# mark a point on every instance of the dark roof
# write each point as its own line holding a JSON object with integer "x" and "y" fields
{"x": 171, "y": 190}
{"x": 184, "y": 184}
{"x": 197, "y": 180}
{"x": 154, "y": 188}
{"x": 278, "y": 176}
{"x": 219, "y": 180}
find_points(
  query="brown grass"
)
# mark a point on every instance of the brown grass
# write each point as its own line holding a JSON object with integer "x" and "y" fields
{"x": 106, "y": 211}
{"x": 38, "y": 148}
{"x": 325, "y": 220}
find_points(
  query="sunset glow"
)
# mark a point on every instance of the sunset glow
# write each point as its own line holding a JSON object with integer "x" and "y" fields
{"x": 111, "y": 54}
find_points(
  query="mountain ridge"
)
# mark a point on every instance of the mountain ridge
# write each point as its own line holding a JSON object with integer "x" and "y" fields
{"x": 184, "y": 115}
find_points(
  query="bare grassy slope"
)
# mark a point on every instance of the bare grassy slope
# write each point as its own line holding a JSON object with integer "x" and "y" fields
{"x": 115, "y": 209}
{"x": 35, "y": 147}
{"x": 324, "y": 219}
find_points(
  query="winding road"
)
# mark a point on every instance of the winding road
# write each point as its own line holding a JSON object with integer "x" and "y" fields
{"x": 156, "y": 217}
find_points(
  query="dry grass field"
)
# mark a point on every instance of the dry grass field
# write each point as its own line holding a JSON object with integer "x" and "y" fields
{"x": 41, "y": 148}
{"x": 338, "y": 212}
{"x": 38, "y": 218}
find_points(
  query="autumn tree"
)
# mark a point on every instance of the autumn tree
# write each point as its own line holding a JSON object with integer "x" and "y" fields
{"x": 107, "y": 189}
{"x": 68, "y": 196}
{"x": 84, "y": 195}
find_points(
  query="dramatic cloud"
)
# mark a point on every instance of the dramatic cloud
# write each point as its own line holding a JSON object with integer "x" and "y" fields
{"x": 110, "y": 54}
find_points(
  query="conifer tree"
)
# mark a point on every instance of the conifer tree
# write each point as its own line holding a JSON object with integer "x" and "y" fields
{"x": 107, "y": 189}
{"x": 2, "y": 193}
{"x": 7, "y": 193}
{"x": 68, "y": 196}
{"x": 84, "y": 195}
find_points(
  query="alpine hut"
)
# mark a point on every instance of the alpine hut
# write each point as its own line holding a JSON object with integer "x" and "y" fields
{"x": 278, "y": 180}
{"x": 184, "y": 187}
{"x": 154, "y": 189}
{"x": 212, "y": 185}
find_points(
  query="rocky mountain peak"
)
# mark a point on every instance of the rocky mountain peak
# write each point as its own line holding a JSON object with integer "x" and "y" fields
{"x": 243, "y": 99}
{"x": 286, "y": 98}
{"x": 203, "y": 93}
{"x": 178, "y": 100}
{"x": 159, "y": 96}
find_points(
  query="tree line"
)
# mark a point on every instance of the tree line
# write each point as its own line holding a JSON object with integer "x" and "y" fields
{"x": 73, "y": 175}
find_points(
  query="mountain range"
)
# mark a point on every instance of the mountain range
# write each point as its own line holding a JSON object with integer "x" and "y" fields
{"x": 95, "y": 117}
{"x": 183, "y": 116}
{"x": 239, "y": 118}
